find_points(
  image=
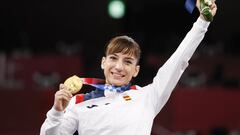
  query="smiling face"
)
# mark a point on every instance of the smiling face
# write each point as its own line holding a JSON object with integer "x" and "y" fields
{"x": 119, "y": 68}
{"x": 120, "y": 64}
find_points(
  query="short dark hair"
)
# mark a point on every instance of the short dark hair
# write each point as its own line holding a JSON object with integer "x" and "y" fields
{"x": 125, "y": 45}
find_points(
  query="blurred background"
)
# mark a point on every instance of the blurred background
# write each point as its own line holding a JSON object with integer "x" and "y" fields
{"x": 44, "y": 42}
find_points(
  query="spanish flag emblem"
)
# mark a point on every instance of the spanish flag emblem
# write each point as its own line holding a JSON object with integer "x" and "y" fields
{"x": 126, "y": 97}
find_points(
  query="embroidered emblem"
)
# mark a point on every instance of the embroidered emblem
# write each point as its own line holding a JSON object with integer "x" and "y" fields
{"x": 90, "y": 107}
{"x": 126, "y": 97}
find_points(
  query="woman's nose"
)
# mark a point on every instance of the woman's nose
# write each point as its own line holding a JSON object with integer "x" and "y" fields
{"x": 119, "y": 65}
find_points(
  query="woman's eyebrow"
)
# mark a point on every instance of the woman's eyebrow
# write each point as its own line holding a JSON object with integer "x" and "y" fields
{"x": 129, "y": 58}
{"x": 114, "y": 54}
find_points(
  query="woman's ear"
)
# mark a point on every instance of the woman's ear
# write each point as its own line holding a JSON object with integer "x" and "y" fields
{"x": 137, "y": 68}
{"x": 103, "y": 62}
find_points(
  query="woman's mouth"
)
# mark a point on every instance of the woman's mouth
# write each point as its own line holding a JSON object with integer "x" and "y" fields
{"x": 117, "y": 75}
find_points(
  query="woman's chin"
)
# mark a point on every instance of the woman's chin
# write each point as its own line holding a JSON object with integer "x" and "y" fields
{"x": 117, "y": 83}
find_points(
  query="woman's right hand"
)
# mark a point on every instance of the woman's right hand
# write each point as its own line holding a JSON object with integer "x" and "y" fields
{"x": 62, "y": 98}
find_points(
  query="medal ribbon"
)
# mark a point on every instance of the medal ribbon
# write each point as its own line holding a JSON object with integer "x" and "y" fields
{"x": 100, "y": 84}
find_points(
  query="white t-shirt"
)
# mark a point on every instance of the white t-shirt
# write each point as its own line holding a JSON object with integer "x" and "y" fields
{"x": 131, "y": 112}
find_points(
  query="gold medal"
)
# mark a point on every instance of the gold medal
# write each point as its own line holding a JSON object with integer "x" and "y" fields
{"x": 74, "y": 84}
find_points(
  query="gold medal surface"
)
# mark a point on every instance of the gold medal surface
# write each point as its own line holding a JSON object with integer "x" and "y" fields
{"x": 74, "y": 84}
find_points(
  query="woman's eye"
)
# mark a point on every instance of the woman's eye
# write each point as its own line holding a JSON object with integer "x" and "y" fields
{"x": 112, "y": 58}
{"x": 129, "y": 62}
